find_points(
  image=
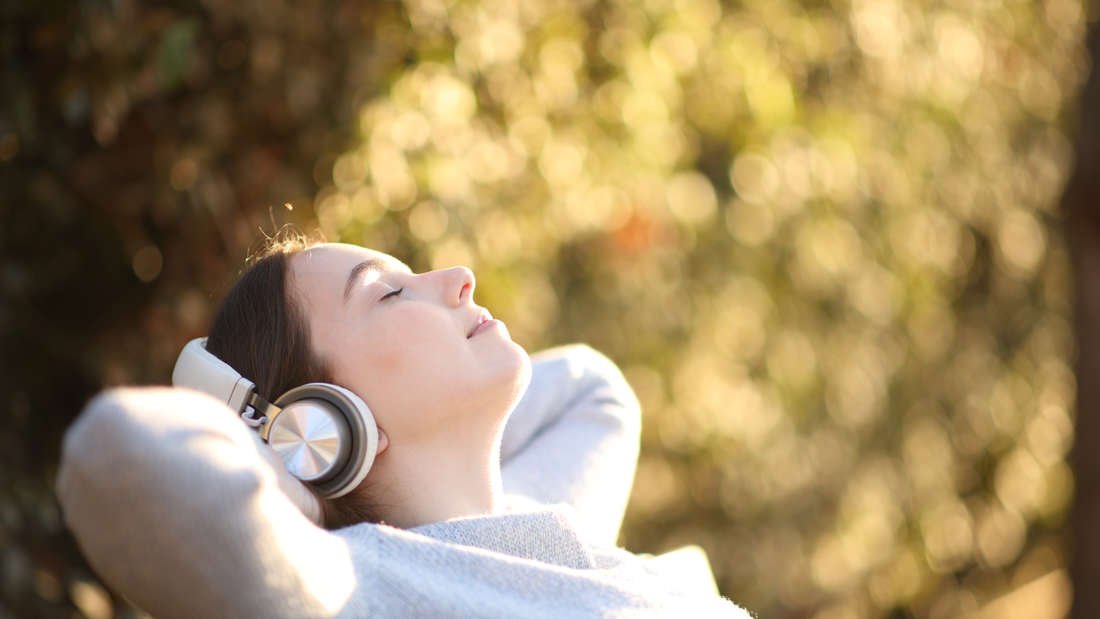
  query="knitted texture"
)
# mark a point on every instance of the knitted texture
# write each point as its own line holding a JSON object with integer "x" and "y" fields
{"x": 175, "y": 506}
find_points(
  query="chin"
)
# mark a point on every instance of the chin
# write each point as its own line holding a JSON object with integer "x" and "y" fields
{"x": 523, "y": 374}
{"x": 515, "y": 376}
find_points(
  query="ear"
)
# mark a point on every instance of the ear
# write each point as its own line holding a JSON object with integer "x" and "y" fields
{"x": 383, "y": 442}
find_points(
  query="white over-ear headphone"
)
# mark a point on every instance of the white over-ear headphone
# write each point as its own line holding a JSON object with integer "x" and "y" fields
{"x": 325, "y": 434}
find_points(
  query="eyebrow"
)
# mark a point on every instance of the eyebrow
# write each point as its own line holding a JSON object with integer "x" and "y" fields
{"x": 374, "y": 265}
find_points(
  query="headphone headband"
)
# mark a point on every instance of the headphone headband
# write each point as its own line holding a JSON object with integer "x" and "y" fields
{"x": 198, "y": 368}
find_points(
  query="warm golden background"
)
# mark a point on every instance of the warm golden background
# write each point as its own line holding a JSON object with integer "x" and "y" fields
{"x": 821, "y": 238}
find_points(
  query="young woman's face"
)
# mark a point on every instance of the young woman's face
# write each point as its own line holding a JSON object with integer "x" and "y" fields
{"x": 409, "y": 344}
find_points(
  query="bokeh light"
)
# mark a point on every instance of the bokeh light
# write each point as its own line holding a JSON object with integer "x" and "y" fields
{"x": 822, "y": 240}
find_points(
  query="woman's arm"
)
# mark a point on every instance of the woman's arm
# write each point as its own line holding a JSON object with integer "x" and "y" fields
{"x": 176, "y": 505}
{"x": 573, "y": 438}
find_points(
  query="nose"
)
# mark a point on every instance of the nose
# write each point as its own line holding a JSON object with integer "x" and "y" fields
{"x": 457, "y": 284}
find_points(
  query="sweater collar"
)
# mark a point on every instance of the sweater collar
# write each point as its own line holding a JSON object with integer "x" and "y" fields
{"x": 547, "y": 534}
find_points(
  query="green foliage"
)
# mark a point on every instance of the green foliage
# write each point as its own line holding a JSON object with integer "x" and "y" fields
{"x": 820, "y": 237}
{"x": 175, "y": 52}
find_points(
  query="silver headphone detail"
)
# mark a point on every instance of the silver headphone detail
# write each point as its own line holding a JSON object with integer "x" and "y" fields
{"x": 325, "y": 434}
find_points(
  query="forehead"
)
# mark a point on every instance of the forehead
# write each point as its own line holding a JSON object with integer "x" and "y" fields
{"x": 323, "y": 269}
{"x": 328, "y": 255}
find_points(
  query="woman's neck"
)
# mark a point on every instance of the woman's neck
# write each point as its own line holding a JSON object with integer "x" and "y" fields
{"x": 439, "y": 479}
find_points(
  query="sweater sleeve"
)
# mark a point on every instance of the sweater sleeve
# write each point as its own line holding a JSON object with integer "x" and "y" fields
{"x": 573, "y": 438}
{"x": 173, "y": 503}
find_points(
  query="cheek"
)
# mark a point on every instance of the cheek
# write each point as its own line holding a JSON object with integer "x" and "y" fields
{"x": 416, "y": 343}
{"x": 406, "y": 363}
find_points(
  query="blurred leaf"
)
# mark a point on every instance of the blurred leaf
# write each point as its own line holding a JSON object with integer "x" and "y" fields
{"x": 175, "y": 51}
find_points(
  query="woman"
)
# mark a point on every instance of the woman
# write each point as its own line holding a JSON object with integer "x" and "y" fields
{"x": 486, "y": 505}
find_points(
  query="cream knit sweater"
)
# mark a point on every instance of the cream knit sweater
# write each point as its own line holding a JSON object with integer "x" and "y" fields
{"x": 177, "y": 509}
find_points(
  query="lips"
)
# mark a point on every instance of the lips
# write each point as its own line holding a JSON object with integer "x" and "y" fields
{"x": 483, "y": 317}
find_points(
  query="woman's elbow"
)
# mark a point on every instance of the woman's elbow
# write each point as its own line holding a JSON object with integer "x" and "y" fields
{"x": 613, "y": 388}
{"x": 95, "y": 442}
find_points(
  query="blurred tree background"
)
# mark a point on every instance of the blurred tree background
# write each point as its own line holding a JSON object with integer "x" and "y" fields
{"x": 822, "y": 238}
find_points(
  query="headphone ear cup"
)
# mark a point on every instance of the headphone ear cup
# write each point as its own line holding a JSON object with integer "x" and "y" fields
{"x": 326, "y": 436}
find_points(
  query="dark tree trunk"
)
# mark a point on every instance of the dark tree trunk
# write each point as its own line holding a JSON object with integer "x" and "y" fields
{"x": 179, "y": 127}
{"x": 1081, "y": 204}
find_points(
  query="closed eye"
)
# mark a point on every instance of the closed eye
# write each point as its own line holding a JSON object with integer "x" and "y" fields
{"x": 391, "y": 294}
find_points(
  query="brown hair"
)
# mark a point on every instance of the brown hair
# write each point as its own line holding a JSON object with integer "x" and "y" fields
{"x": 260, "y": 332}
{"x": 259, "y": 329}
